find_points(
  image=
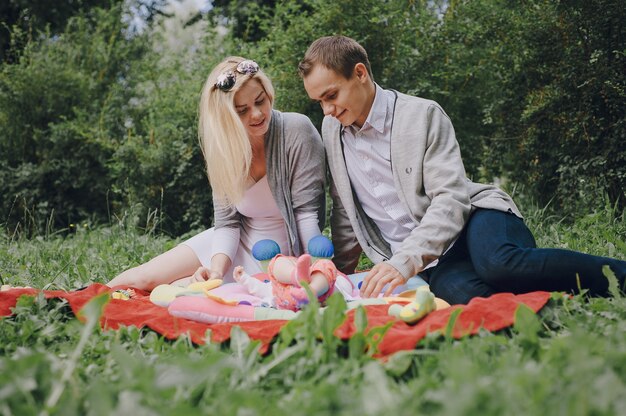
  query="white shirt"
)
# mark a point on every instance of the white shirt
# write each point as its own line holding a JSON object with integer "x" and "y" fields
{"x": 368, "y": 159}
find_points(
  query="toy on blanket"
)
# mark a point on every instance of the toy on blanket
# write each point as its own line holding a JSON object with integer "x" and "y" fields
{"x": 123, "y": 294}
{"x": 163, "y": 295}
{"x": 287, "y": 273}
{"x": 264, "y": 251}
{"x": 320, "y": 247}
{"x": 209, "y": 311}
{"x": 423, "y": 304}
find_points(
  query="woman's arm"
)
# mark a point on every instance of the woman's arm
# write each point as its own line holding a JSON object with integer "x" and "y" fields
{"x": 226, "y": 236}
{"x": 308, "y": 166}
{"x": 220, "y": 262}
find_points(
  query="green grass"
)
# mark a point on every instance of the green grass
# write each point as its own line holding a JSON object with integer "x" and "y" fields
{"x": 569, "y": 360}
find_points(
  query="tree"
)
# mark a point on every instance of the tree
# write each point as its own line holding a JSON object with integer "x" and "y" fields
{"x": 62, "y": 111}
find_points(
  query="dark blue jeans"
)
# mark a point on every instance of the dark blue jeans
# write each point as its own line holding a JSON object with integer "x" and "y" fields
{"x": 496, "y": 252}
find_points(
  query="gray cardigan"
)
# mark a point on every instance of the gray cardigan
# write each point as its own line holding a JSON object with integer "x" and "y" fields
{"x": 432, "y": 186}
{"x": 295, "y": 167}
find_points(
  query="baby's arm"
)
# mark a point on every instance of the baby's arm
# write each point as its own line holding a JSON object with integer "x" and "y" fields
{"x": 254, "y": 286}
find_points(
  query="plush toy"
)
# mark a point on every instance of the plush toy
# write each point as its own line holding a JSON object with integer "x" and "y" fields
{"x": 163, "y": 295}
{"x": 288, "y": 273}
{"x": 264, "y": 251}
{"x": 281, "y": 290}
{"x": 210, "y": 311}
{"x": 422, "y": 304}
{"x": 320, "y": 247}
{"x": 123, "y": 294}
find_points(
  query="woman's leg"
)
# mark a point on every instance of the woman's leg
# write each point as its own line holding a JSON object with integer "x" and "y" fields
{"x": 177, "y": 263}
{"x": 504, "y": 255}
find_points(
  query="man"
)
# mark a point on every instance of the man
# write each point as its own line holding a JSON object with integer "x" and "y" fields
{"x": 400, "y": 194}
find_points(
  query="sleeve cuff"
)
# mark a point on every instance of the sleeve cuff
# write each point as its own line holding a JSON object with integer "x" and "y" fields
{"x": 404, "y": 266}
{"x": 308, "y": 228}
{"x": 226, "y": 241}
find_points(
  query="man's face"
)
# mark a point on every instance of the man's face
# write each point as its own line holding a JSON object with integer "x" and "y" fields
{"x": 348, "y": 100}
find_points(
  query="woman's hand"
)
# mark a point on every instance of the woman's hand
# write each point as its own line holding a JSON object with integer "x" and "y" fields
{"x": 381, "y": 274}
{"x": 204, "y": 273}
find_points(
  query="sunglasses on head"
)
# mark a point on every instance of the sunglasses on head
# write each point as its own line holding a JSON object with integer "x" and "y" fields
{"x": 226, "y": 80}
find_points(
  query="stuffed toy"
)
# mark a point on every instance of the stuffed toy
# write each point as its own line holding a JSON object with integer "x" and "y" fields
{"x": 423, "y": 303}
{"x": 264, "y": 251}
{"x": 278, "y": 293}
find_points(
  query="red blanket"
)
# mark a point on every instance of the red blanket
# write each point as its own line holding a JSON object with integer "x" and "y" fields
{"x": 493, "y": 313}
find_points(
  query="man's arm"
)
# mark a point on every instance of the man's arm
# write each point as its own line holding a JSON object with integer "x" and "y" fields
{"x": 445, "y": 184}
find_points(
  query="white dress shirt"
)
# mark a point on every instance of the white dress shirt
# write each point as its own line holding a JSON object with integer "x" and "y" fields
{"x": 368, "y": 159}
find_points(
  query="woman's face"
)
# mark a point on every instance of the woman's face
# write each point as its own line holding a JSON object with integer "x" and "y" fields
{"x": 254, "y": 108}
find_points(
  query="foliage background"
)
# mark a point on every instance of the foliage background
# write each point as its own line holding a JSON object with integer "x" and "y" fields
{"x": 97, "y": 126}
{"x": 98, "y": 114}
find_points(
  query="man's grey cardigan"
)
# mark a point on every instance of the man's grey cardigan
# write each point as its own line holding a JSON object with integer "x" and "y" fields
{"x": 433, "y": 188}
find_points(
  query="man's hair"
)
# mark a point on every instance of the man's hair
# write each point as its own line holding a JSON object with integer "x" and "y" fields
{"x": 337, "y": 53}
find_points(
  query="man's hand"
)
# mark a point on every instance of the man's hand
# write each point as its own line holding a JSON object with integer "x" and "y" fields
{"x": 381, "y": 275}
{"x": 204, "y": 273}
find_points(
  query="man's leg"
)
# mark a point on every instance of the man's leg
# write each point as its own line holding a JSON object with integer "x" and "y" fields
{"x": 504, "y": 255}
{"x": 454, "y": 279}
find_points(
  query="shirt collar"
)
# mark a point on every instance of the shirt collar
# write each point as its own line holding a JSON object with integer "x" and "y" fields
{"x": 378, "y": 113}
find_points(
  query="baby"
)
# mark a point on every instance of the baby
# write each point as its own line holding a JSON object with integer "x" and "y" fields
{"x": 284, "y": 290}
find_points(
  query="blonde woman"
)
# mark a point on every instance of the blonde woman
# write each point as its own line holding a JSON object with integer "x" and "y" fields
{"x": 266, "y": 171}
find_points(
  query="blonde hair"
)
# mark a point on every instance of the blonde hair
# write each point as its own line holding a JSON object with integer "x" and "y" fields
{"x": 223, "y": 137}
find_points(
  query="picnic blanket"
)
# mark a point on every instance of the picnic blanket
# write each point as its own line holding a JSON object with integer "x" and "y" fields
{"x": 493, "y": 313}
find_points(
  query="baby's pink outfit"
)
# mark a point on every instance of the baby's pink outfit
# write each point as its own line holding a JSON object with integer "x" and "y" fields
{"x": 291, "y": 295}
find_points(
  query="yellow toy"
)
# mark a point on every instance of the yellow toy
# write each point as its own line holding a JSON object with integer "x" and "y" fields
{"x": 163, "y": 295}
{"x": 123, "y": 294}
{"x": 423, "y": 304}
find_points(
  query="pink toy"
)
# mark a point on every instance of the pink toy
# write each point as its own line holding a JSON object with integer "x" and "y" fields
{"x": 209, "y": 311}
{"x": 277, "y": 295}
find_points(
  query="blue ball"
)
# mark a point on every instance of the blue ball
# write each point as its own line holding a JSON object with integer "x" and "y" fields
{"x": 265, "y": 249}
{"x": 321, "y": 246}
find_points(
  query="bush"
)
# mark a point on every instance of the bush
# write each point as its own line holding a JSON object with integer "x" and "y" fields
{"x": 99, "y": 120}
{"x": 103, "y": 122}
{"x": 535, "y": 90}
{"x": 62, "y": 113}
